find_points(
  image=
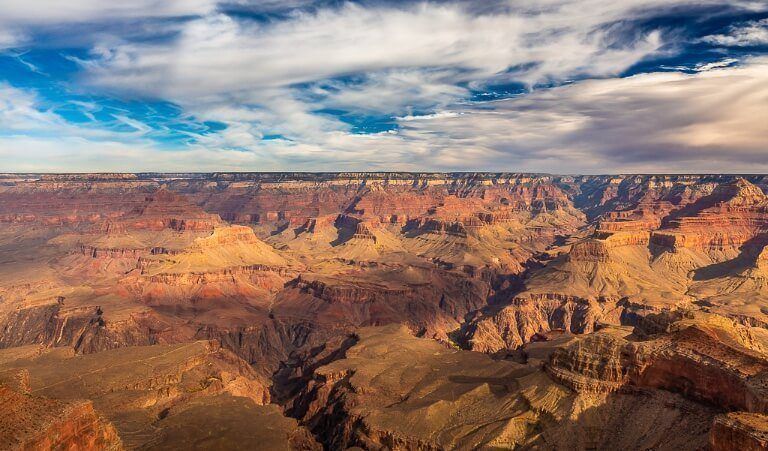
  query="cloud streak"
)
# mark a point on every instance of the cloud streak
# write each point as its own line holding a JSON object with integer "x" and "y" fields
{"x": 402, "y": 59}
{"x": 750, "y": 34}
{"x": 219, "y": 55}
{"x": 713, "y": 120}
{"x": 53, "y": 12}
{"x": 664, "y": 122}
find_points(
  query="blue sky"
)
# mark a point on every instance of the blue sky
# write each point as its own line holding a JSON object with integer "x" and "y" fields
{"x": 564, "y": 86}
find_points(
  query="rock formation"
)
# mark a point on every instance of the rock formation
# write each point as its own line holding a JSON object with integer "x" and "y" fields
{"x": 628, "y": 311}
{"x": 739, "y": 430}
{"x": 35, "y": 422}
{"x": 386, "y": 388}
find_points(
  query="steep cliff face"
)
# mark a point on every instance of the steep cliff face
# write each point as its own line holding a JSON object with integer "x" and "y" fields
{"x": 640, "y": 200}
{"x": 598, "y": 362}
{"x": 231, "y": 266}
{"x": 226, "y": 247}
{"x": 385, "y": 388}
{"x": 389, "y": 198}
{"x": 720, "y": 223}
{"x": 70, "y": 202}
{"x": 164, "y": 209}
{"x": 35, "y": 422}
{"x": 516, "y": 323}
{"x": 85, "y": 329}
{"x": 696, "y": 363}
{"x": 737, "y": 288}
{"x": 183, "y": 263}
{"x": 703, "y": 360}
{"x": 739, "y": 430}
{"x": 347, "y": 402}
{"x": 324, "y": 225}
{"x": 606, "y": 390}
{"x": 703, "y": 254}
{"x": 76, "y": 203}
{"x": 432, "y": 302}
{"x": 143, "y": 390}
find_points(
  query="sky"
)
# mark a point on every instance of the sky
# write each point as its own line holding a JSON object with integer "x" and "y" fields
{"x": 558, "y": 86}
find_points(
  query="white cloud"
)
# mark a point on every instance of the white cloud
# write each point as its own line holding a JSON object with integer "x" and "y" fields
{"x": 20, "y": 19}
{"x": 423, "y": 117}
{"x": 663, "y": 122}
{"x": 46, "y": 12}
{"x": 32, "y": 139}
{"x": 217, "y": 55}
{"x": 74, "y": 154}
{"x": 412, "y": 58}
{"x": 9, "y": 38}
{"x": 19, "y": 112}
{"x": 711, "y": 121}
{"x": 22, "y": 114}
{"x": 134, "y": 124}
{"x": 701, "y": 67}
{"x": 390, "y": 92}
{"x": 750, "y": 34}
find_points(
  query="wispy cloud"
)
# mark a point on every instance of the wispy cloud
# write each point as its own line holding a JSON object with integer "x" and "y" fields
{"x": 404, "y": 59}
{"x": 35, "y": 139}
{"x": 661, "y": 122}
{"x": 702, "y": 67}
{"x": 56, "y": 12}
{"x": 709, "y": 121}
{"x": 21, "y": 20}
{"x": 9, "y": 38}
{"x": 750, "y": 34}
{"x": 218, "y": 55}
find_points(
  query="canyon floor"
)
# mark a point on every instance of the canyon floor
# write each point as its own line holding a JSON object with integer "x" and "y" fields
{"x": 383, "y": 311}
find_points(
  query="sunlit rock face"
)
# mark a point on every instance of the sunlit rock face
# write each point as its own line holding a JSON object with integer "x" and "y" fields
{"x": 36, "y": 422}
{"x": 739, "y": 430}
{"x": 628, "y": 311}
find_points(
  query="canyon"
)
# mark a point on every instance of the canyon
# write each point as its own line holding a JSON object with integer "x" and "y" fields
{"x": 383, "y": 311}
